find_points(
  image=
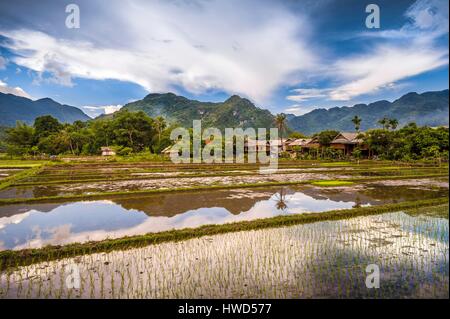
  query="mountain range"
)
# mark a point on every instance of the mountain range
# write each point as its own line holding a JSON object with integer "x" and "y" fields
{"x": 234, "y": 112}
{"x": 16, "y": 108}
{"x": 429, "y": 108}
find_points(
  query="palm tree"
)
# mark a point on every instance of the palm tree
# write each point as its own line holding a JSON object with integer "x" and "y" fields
{"x": 280, "y": 121}
{"x": 384, "y": 122}
{"x": 357, "y": 121}
{"x": 66, "y": 137}
{"x": 281, "y": 200}
{"x": 393, "y": 123}
{"x": 160, "y": 125}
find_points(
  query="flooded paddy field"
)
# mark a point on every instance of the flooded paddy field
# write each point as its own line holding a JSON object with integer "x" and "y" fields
{"x": 320, "y": 260}
{"x": 108, "y": 171}
{"x": 4, "y": 173}
{"x": 135, "y": 235}
{"x": 57, "y": 181}
{"x": 36, "y": 225}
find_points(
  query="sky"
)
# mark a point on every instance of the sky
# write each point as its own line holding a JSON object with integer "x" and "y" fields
{"x": 288, "y": 56}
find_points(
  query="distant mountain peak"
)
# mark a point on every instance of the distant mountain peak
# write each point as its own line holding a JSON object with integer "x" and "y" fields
{"x": 13, "y": 109}
{"x": 153, "y": 95}
{"x": 234, "y": 98}
{"x": 429, "y": 108}
{"x": 45, "y": 99}
{"x": 233, "y": 112}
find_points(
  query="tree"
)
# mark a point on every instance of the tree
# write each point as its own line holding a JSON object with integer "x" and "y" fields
{"x": 20, "y": 139}
{"x": 325, "y": 137}
{"x": 384, "y": 122}
{"x": 280, "y": 121}
{"x": 393, "y": 123}
{"x": 46, "y": 125}
{"x": 133, "y": 129}
{"x": 281, "y": 200}
{"x": 357, "y": 122}
{"x": 297, "y": 135}
{"x": 160, "y": 125}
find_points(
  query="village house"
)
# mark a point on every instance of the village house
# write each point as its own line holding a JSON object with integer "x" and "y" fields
{"x": 297, "y": 144}
{"x": 303, "y": 145}
{"x": 168, "y": 151}
{"x": 259, "y": 146}
{"x": 346, "y": 142}
{"x": 107, "y": 151}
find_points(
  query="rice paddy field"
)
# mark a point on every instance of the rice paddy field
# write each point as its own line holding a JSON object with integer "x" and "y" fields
{"x": 160, "y": 230}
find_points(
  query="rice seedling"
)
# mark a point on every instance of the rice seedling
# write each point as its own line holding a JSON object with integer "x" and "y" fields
{"x": 318, "y": 260}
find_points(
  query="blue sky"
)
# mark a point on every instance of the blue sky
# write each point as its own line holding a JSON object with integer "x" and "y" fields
{"x": 286, "y": 56}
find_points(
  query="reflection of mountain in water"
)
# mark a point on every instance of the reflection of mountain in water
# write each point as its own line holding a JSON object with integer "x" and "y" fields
{"x": 235, "y": 201}
{"x": 11, "y": 210}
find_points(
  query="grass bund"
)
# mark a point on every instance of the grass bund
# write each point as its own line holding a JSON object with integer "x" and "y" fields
{"x": 332, "y": 183}
{"x": 10, "y": 259}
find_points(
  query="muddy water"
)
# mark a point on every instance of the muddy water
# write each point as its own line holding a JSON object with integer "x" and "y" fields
{"x": 154, "y": 184}
{"x": 25, "y": 226}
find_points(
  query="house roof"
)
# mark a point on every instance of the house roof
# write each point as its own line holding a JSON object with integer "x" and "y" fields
{"x": 263, "y": 142}
{"x": 300, "y": 142}
{"x": 347, "y": 138}
{"x": 168, "y": 149}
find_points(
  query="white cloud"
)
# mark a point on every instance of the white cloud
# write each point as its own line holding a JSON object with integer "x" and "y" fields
{"x": 399, "y": 54}
{"x": 4, "y": 88}
{"x": 94, "y": 111}
{"x": 112, "y": 108}
{"x": 3, "y": 63}
{"x": 368, "y": 73}
{"x": 306, "y": 94}
{"x": 298, "y": 109}
{"x": 251, "y": 50}
{"x": 15, "y": 219}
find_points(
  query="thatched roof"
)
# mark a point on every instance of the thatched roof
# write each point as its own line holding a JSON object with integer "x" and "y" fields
{"x": 347, "y": 138}
{"x": 300, "y": 142}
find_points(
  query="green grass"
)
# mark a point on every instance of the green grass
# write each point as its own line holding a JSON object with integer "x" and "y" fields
{"x": 11, "y": 259}
{"x": 20, "y": 163}
{"x": 331, "y": 164}
{"x": 332, "y": 183}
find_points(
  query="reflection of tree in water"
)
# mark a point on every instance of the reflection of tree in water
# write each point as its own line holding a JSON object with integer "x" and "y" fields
{"x": 281, "y": 200}
{"x": 358, "y": 202}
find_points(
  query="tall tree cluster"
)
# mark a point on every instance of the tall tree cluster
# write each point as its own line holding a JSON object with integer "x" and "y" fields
{"x": 125, "y": 131}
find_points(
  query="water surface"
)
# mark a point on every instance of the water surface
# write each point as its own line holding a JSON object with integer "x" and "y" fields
{"x": 32, "y": 226}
